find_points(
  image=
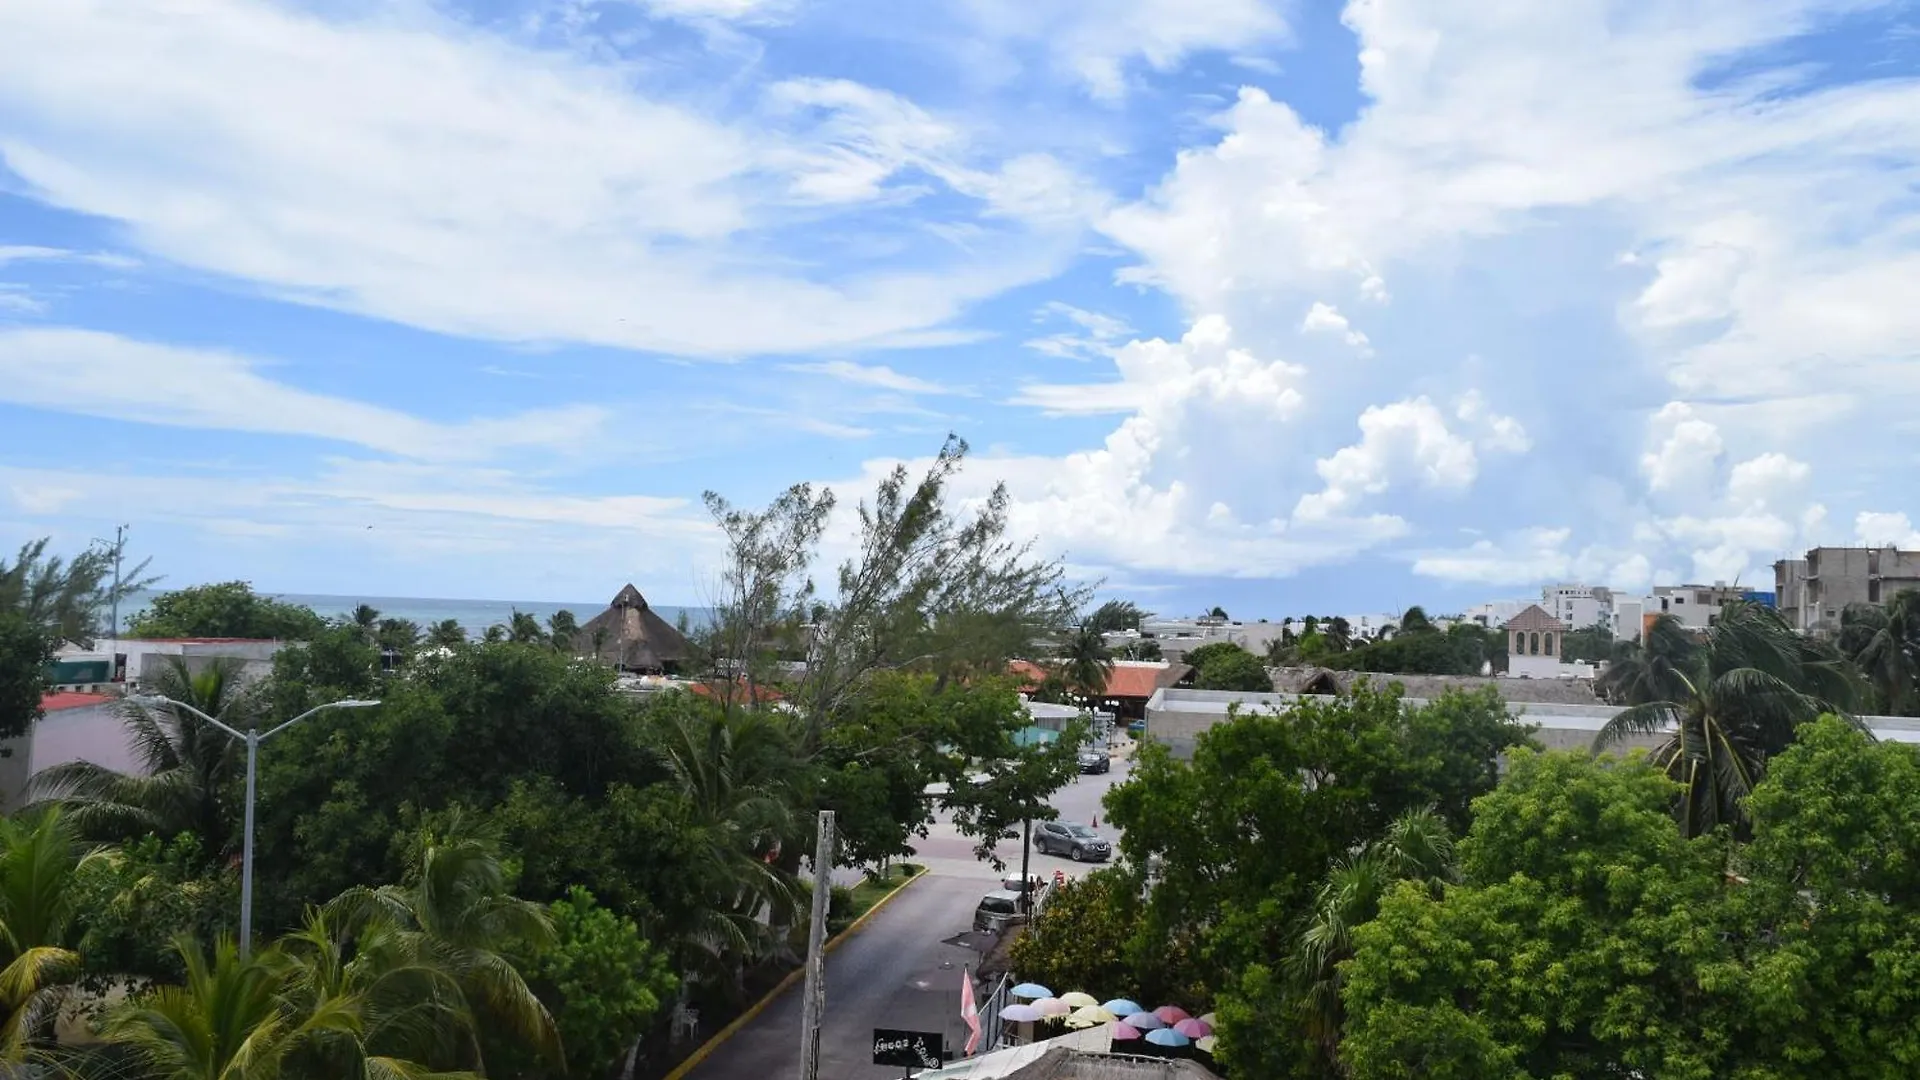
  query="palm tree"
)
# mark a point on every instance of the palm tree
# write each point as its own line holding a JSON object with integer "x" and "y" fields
{"x": 453, "y": 912}
{"x": 1416, "y": 847}
{"x": 1730, "y": 706}
{"x": 446, "y": 634}
{"x": 1086, "y": 664}
{"x": 185, "y": 763}
{"x": 1885, "y": 643}
{"x": 1339, "y": 634}
{"x": 1638, "y": 674}
{"x": 736, "y": 772}
{"x": 367, "y": 618}
{"x": 524, "y": 629}
{"x": 227, "y": 1022}
{"x": 40, "y": 858}
{"x": 561, "y": 626}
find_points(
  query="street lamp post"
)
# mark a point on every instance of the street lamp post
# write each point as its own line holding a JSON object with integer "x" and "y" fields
{"x": 253, "y": 737}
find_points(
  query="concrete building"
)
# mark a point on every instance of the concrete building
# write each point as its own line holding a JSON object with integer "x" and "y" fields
{"x": 1495, "y": 612}
{"x": 1629, "y": 618}
{"x": 132, "y": 659}
{"x": 1533, "y": 647}
{"x": 1696, "y": 606}
{"x": 1812, "y": 592}
{"x": 1578, "y": 606}
{"x": 1176, "y": 717}
{"x": 75, "y": 727}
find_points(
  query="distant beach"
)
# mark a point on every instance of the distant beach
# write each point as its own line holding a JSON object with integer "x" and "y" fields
{"x": 474, "y": 616}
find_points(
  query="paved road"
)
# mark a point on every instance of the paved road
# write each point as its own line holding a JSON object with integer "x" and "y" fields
{"x": 898, "y": 971}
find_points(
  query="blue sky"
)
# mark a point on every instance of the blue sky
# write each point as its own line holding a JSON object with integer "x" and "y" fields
{"x": 1285, "y": 307}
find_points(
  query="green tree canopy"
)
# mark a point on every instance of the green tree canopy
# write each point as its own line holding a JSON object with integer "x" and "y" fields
{"x": 1226, "y": 666}
{"x": 1115, "y": 615}
{"x": 602, "y": 980}
{"x": 64, "y": 598}
{"x": 25, "y": 652}
{"x": 225, "y": 609}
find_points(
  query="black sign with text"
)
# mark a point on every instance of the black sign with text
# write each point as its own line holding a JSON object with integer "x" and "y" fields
{"x": 909, "y": 1049}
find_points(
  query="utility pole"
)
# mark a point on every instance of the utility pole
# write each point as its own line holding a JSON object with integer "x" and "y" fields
{"x": 815, "y": 1003}
{"x": 119, "y": 545}
{"x": 1026, "y": 851}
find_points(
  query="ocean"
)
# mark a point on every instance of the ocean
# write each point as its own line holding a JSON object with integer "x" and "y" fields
{"x": 474, "y": 616}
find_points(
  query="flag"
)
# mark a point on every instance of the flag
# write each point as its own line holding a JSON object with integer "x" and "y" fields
{"x": 968, "y": 1011}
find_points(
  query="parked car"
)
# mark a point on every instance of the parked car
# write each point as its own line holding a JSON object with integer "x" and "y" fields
{"x": 1137, "y": 728}
{"x": 997, "y": 910}
{"x": 1015, "y": 885}
{"x": 1076, "y": 842}
{"x": 1095, "y": 761}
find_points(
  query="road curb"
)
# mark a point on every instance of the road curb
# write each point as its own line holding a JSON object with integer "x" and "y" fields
{"x": 786, "y": 983}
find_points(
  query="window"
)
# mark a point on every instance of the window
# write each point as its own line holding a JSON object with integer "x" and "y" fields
{"x": 1549, "y": 644}
{"x": 1873, "y": 591}
{"x": 1533, "y": 644}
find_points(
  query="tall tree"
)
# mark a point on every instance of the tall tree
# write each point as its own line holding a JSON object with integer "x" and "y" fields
{"x": 1654, "y": 669}
{"x": 367, "y": 618}
{"x": 1884, "y": 641}
{"x": 446, "y": 634}
{"x": 561, "y": 627}
{"x": 65, "y": 598}
{"x": 1415, "y": 621}
{"x": 25, "y": 652}
{"x": 1339, "y": 634}
{"x": 186, "y": 764}
{"x": 1739, "y": 700}
{"x": 524, "y": 629}
{"x": 226, "y": 609}
{"x": 1116, "y": 615}
{"x": 1085, "y": 664}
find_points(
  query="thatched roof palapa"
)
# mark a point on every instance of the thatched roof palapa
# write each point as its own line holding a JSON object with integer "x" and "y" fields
{"x": 630, "y": 636}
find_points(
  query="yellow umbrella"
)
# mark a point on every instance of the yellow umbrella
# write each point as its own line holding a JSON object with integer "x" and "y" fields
{"x": 1078, "y": 1022}
{"x": 1093, "y": 1014}
{"x": 1205, "y": 1044}
{"x": 1078, "y": 1000}
{"x": 1209, "y": 1020}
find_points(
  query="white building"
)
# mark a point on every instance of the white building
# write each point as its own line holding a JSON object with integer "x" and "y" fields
{"x": 1579, "y": 606}
{"x": 1630, "y": 617}
{"x": 74, "y": 727}
{"x": 1696, "y": 606}
{"x": 1533, "y": 647}
{"x": 137, "y": 659}
{"x": 1494, "y": 613}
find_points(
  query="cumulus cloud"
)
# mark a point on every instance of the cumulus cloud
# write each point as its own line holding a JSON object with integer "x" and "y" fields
{"x": 1406, "y": 440}
{"x": 1874, "y": 528}
{"x": 1685, "y": 453}
{"x": 1326, "y": 319}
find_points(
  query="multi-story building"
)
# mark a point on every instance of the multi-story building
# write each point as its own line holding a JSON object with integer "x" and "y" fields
{"x": 1813, "y": 591}
{"x": 1578, "y": 606}
{"x": 1696, "y": 606}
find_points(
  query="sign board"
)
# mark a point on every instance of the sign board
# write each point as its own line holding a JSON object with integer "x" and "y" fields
{"x": 908, "y": 1049}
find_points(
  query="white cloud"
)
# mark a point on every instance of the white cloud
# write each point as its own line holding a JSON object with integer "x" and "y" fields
{"x": 734, "y": 11}
{"x": 878, "y": 376}
{"x": 1873, "y": 528}
{"x": 1097, "y": 336}
{"x": 1096, "y": 44}
{"x": 1083, "y": 399}
{"x": 452, "y": 180}
{"x": 1494, "y": 431}
{"x": 1406, "y": 439}
{"x": 1771, "y": 479}
{"x": 174, "y": 386}
{"x": 1324, "y": 318}
{"x": 1526, "y": 558}
{"x": 1686, "y": 451}
{"x": 12, "y": 253}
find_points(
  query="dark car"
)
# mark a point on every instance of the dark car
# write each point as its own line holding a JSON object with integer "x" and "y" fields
{"x": 1076, "y": 842}
{"x": 1093, "y": 761}
{"x": 996, "y": 911}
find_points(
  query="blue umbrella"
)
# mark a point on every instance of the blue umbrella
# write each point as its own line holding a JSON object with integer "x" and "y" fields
{"x": 1120, "y": 1007}
{"x": 1146, "y": 1021}
{"x": 1167, "y": 1037}
{"x": 1031, "y": 990}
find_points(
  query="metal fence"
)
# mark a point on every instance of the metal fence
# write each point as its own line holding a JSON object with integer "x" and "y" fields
{"x": 990, "y": 1025}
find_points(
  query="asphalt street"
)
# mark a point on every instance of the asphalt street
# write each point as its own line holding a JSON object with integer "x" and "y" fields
{"x": 899, "y": 971}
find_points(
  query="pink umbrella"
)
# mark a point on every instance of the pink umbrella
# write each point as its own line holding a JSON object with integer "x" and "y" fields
{"x": 1052, "y": 1007}
{"x": 1194, "y": 1029}
{"x": 1171, "y": 1014}
{"x": 1123, "y": 1032}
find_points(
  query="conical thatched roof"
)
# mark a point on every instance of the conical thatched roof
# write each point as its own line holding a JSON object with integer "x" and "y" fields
{"x": 630, "y": 636}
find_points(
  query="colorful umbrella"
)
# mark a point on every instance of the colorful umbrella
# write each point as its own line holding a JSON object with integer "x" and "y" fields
{"x": 1094, "y": 1014}
{"x": 1078, "y": 1022}
{"x": 1205, "y": 1045}
{"x": 1171, "y": 1014}
{"x": 1079, "y": 1000}
{"x": 1194, "y": 1029}
{"x": 1031, "y": 990}
{"x": 1020, "y": 1014}
{"x": 1123, "y": 1032}
{"x": 1167, "y": 1037}
{"x": 1146, "y": 1021}
{"x": 1052, "y": 1007}
{"x": 1122, "y": 1007}
{"x": 1207, "y": 1019}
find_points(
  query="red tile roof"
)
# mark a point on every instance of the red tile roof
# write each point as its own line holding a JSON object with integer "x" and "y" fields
{"x": 762, "y": 694}
{"x": 67, "y": 699}
{"x": 1534, "y": 618}
{"x": 1124, "y": 681}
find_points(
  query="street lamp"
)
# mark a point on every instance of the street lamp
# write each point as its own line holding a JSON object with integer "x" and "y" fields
{"x": 253, "y": 737}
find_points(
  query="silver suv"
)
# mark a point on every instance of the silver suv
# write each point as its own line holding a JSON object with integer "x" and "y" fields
{"x": 997, "y": 911}
{"x": 1076, "y": 842}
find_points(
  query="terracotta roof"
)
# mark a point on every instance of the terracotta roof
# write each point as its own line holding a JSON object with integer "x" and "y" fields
{"x": 1128, "y": 679}
{"x": 58, "y": 702}
{"x": 737, "y": 691}
{"x": 1534, "y": 618}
